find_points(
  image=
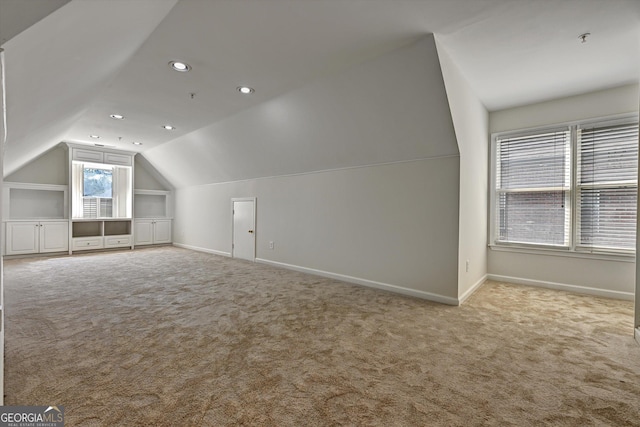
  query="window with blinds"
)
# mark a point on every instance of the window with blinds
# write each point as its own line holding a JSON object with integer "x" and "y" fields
{"x": 533, "y": 188}
{"x": 607, "y": 186}
{"x": 573, "y": 188}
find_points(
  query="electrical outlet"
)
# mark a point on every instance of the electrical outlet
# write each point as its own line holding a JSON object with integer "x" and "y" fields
{"x": 271, "y": 245}
{"x": 467, "y": 266}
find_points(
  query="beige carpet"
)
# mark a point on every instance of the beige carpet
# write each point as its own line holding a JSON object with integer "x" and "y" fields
{"x": 170, "y": 337}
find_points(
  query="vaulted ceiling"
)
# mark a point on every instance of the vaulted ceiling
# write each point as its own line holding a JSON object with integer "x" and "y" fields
{"x": 69, "y": 68}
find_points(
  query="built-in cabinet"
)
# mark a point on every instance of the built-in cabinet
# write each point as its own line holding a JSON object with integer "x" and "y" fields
{"x": 90, "y": 234}
{"x": 152, "y": 231}
{"x": 35, "y": 218}
{"x": 99, "y": 156}
{"x": 152, "y": 210}
{"x": 29, "y": 237}
{"x": 101, "y": 198}
{"x": 43, "y": 218}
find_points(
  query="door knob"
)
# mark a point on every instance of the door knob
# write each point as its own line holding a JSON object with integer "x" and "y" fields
{"x": 250, "y": 231}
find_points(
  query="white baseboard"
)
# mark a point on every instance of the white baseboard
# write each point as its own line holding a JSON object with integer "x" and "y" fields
{"x": 199, "y": 249}
{"x": 472, "y": 289}
{"x": 365, "y": 282}
{"x": 629, "y": 296}
{"x": 636, "y": 334}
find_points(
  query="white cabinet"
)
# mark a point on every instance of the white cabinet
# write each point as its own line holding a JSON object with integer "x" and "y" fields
{"x": 118, "y": 159}
{"x": 29, "y": 237}
{"x": 94, "y": 156}
{"x": 152, "y": 231}
{"x": 101, "y": 156}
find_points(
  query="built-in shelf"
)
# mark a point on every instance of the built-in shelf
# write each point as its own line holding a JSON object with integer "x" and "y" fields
{"x": 28, "y": 201}
{"x": 40, "y": 217}
{"x": 114, "y": 228}
{"x": 152, "y": 204}
{"x": 100, "y": 227}
{"x": 86, "y": 228}
{"x": 101, "y": 233}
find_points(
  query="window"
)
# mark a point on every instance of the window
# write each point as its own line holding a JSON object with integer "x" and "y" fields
{"x": 571, "y": 188}
{"x": 97, "y": 182}
{"x": 607, "y": 186}
{"x": 101, "y": 191}
{"x": 97, "y": 192}
{"x": 533, "y": 188}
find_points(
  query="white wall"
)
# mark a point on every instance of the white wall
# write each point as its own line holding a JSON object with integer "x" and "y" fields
{"x": 637, "y": 306}
{"x": 619, "y": 100}
{"x": 471, "y": 122}
{"x": 393, "y": 225}
{"x": 2, "y": 236}
{"x": 598, "y": 276}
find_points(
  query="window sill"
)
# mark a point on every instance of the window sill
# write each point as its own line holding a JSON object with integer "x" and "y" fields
{"x": 605, "y": 256}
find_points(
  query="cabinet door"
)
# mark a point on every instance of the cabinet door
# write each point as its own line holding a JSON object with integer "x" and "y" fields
{"x": 117, "y": 159}
{"x": 54, "y": 236}
{"x": 143, "y": 232}
{"x": 87, "y": 155}
{"x": 162, "y": 231}
{"x": 22, "y": 238}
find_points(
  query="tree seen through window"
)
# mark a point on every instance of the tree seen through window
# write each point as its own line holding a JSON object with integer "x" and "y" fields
{"x": 98, "y": 183}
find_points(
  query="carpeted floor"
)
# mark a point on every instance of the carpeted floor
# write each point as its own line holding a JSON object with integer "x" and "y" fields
{"x": 171, "y": 337}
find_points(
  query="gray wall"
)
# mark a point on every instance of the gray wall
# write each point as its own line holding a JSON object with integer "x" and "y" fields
{"x": 50, "y": 168}
{"x": 388, "y": 226}
{"x": 146, "y": 177}
{"x": 377, "y": 200}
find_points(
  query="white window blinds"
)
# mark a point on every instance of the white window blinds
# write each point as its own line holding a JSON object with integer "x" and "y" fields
{"x": 533, "y": 188}
{"x": 607, "y": 181}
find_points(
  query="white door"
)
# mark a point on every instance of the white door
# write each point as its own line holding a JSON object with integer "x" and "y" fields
{"x": 54, "y": 236}
{"x": 244, "y": 236}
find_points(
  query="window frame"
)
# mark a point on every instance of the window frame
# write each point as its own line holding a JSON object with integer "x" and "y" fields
{"x": 573, "y": 248}
{"x": 77, "y": 190}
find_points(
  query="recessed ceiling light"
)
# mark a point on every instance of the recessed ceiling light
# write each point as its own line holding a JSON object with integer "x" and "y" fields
{"x": 168, "y": 127}
{"x": 117, "y": 116}
{"x": 245, "y": 90}
{"x": 94, "y": 136}
{"x": 180, "y": 66}
{"x": 136, "y": 143}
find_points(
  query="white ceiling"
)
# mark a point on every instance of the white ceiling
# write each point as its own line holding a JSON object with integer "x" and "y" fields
{"x": 88, "y": 59}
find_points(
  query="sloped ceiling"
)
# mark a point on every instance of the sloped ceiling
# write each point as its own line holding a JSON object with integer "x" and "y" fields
{"x": 57, "y": 68}
{"x": 89, "y": 59}
{"x": 389, "y": 109}
{"x": 15, "y": 17}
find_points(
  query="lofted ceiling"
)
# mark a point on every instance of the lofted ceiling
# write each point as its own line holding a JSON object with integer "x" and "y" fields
{"x": 77, "y": 64}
